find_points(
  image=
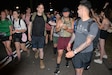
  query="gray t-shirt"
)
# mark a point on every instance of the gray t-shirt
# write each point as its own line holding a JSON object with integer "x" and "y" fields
{"x": 81, "y": 34}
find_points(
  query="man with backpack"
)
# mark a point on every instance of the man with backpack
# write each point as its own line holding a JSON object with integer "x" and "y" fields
{"x": 85, "y": 32}
{"x": 37, "y": 31}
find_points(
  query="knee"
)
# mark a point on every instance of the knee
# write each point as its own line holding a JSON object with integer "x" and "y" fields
{"x": 59, "y": 54}
{"x": 8, "y": 47}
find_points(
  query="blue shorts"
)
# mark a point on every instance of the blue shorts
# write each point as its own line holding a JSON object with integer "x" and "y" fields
{"x": 38, "y": 41}
{"x": 82, "y": 60}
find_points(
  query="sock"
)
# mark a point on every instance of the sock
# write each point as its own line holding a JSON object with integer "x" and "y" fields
{"x": 41, "y": 59}
{"x": 58, "y": 66}
{"x": 55, "y": 50}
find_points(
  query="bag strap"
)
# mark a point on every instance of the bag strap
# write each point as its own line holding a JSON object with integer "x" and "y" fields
{"x": 89, "y": 25}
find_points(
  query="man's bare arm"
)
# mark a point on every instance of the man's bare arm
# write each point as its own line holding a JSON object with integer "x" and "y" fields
{"x": 85, "y": 44}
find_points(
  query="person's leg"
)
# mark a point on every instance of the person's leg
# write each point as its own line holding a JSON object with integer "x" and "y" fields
{"x": 40, "y": 45}
{"x": 55, "y": 41}
{"x": 51, "y": 34}
{"x": 46, "y": 40}
{"x": 102, "y": 46}
{"x": 34, "y": 46}
{"x": 23, "y": 47}
{"x": 17, "y": 45}
{"x": 54, "y": 48}
{"x": 41, "y": 53}
{"x": 59, "y": 57}
{"x": 79, "y": 71}
{"x": 8, "y": 53}
{"x": 8, "y": 46}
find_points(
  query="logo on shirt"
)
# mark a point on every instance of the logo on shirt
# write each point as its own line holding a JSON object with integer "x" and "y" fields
{"x": 81, "y": 29}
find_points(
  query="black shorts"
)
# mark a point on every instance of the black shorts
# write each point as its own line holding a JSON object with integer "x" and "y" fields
{"x": 18, "y": 37}
{"x": 5, "y": 38}
{"x": 82, "y": 60}
{"x": 103, "y": 34}
{"x": 48, "y": 32}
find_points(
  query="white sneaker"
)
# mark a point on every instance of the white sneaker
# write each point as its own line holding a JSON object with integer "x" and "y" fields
{"x": 105, "y": 56}
{"x": 98, "y": 61}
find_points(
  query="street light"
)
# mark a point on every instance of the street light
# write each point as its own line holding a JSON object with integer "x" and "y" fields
{"x": 17, "y": 7}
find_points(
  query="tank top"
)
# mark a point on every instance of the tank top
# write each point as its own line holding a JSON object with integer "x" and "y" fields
{"x": 64, "y": 33}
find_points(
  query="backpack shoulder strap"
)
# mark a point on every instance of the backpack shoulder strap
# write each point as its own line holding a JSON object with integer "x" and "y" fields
{"x": 77, "y": 22}
{"x": 89, "y": 25}
{"x": 20, "y": 22}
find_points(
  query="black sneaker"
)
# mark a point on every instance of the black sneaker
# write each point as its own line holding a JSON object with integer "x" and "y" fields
{"x": 87, "y": 68}
{"x": 57, "y": 71}
{"x": 67, "y": 65}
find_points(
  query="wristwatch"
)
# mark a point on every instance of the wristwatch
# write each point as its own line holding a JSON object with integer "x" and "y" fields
{"x": 75, "y": 52}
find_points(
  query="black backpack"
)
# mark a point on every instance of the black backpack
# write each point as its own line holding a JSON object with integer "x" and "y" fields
{"x": 89, "y": 24}
{"x": 19, "y": 22}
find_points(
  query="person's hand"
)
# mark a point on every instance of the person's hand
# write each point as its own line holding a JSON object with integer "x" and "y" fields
{"x": 70, "y": 54}
{"x": 107, "y": 3}
{"x": 65, "y": 27}
{"x": 69, "y": 47}
{"x": 15, "y": 31}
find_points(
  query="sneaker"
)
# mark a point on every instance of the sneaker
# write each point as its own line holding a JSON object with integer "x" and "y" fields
{"x": 57, "y": 71}
{"x": 98, "y": 61}
{"x": 42, "y": 65}
{"x": 87, "y": 68}
{"x": 97, "y": 54}
{"x": 105, "y": 56}
{"x": 67, "y": 65}
{"x": 36, "y": 54}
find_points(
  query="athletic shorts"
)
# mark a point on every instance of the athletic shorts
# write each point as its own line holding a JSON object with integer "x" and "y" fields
{"x": 82, "y": 60}
{"x": 55, "y": 40}
{"x": 63, "y": 42}
{"x": 5, "y": 38}
{"x": 18, "y": 37}
{"x": 48, "y": 32}
{"x": 103, "y": 34}
{"x": 38, "y": 41}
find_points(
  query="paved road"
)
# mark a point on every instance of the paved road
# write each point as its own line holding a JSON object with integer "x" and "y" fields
{"x": 30, "y": 65}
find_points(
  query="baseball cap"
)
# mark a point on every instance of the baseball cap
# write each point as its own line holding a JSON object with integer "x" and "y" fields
{"x": 66, "y": 9}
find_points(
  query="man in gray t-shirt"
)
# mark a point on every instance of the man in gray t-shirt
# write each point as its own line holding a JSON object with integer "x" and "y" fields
{"x": 83, "y": 39}
{"x": 82, "y": 33}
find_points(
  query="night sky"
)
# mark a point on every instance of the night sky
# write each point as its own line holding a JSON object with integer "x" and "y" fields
{"x": 57, "y": 4}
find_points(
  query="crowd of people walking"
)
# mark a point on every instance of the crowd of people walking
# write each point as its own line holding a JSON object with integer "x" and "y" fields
{"x": 76, "y": 36}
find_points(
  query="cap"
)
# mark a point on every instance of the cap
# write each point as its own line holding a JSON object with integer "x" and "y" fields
{"x": 66, "y": 10}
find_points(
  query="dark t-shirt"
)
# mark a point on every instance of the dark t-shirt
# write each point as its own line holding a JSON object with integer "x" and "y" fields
{"x": 38, "y": 26}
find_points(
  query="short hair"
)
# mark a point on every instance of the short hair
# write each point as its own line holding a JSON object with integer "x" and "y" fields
{"x": 39, "y": 4}
{"x": 86, "y": 4}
